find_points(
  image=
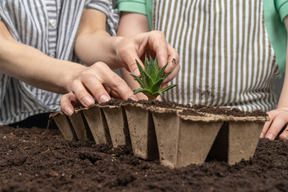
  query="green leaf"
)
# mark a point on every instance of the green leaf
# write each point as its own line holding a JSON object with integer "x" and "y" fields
{"x": 167, "y": 88}
{"x": 152, "y": 78}
{"x": 148, "y": 82}
{"x": 145, "y": 91}
{"x": 141, "y": 70}
{"x": 154, "y": 68}
{"x": 157, "y": 85}
{"x": 138, "y": 80}
{"x": 148, "y": 65}
{"x": 161, "y": 71}
{"x": 156, "y": 94}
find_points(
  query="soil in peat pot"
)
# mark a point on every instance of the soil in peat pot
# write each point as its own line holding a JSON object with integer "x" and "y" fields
{"x": 39, "y": 159}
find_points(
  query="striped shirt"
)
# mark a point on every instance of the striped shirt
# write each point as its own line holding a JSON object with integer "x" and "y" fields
{"x": 52, "y": 13}
{"x": 225, "y": 55}
{"x": 51, "y": 27}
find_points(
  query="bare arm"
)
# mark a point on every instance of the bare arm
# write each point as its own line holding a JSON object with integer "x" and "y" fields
{"x": 34, "y": 67}
{"x": 93, "y": 43}
{"x": 30, "y": 65}
{"x": 279, "y": 116}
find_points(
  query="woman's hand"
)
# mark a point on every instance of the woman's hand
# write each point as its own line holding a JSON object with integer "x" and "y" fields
{"x": 278, "y": 121}
{"x": 96, "y": 81}
{"x": 130, "y": 49}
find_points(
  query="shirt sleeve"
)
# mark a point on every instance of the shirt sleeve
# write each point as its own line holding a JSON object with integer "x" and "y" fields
{"x": 136, "y": 6}
{"x": 276, "y": 31}
{"x": 101, "y": 5}
{"x": 282, "y": 8}
{"x": 1, "y": 10}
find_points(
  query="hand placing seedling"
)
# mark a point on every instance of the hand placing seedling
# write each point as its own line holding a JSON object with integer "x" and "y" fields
{"x": 151, "y": 79}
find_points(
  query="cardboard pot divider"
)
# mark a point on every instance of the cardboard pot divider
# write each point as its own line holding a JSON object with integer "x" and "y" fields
{"x": 80, "y": 126}
{"x": 142, "y": 131}
{"x": 243, "y": 140}
{"x": 184, "y": 139}
{"x": 64, "y": 125}
{"x": 97, "y": 124}
{"x": 179, "y": 136}
{"x": 117, "y": 124}
{"x": 237, "y": 139}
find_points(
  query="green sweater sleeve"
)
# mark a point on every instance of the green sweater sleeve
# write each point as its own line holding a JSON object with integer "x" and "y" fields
{"x": 137, "y": 6}
{"x": 276, "y": 29}
{"x": 282, "y": 8}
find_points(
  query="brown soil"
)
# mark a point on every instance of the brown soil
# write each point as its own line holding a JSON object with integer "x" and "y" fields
{"x": 35, "y": 159}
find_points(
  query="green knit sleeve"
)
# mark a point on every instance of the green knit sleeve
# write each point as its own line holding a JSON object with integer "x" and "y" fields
{"x": 137, "y": 6}
{"x": 276, "y": 31}
{"x": 282, "y": 8}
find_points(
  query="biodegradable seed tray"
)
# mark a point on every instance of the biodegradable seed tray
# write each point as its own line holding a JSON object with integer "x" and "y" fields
{"x": 176, "y": 134}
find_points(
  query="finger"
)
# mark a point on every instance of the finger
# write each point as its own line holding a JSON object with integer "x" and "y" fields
{"x": 117, "y": 84}
{"x": 173, "y": 60}
{"x": 106, "y": 76}
{"x": 128, "y": 56}
{"x": 66, "y": 103}
{"x": 278, "y": 123}
{"x": 272, "y": 115}
{"x": 82, "y": 94}
{"x": 119, "y": 87}
{"x": 96, "y": 87}
{"x": 111, "y": 92}
{"x": 172, "y": 75}
{"x": 284, "y": 134}
{"x": 115, "y": 95}
{"x": 158, "y": 44}
{"x": 163, "y": 85}
{"x": 265, "y": 128}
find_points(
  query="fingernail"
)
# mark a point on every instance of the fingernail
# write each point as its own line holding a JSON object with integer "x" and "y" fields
{"x": 88, "y": 101}
{"x": 103, "y": 98}
{"x": 134, "y": 98}
{"x": 136, "y": 72}
{"x": 68, "y": 111}
{"x": 262, "y": 135}
{"x": 270, "y": 136}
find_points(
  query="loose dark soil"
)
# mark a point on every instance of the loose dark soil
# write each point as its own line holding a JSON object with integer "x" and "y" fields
{"x": 35, "y": 159}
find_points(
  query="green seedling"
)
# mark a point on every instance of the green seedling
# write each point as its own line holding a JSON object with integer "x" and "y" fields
{"x": 151, "y": 79}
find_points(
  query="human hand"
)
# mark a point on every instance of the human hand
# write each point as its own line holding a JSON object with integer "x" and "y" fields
{"x": 278, "y": 120}
{"x": 151, "y": 43}
{"x": 97, "y": 81}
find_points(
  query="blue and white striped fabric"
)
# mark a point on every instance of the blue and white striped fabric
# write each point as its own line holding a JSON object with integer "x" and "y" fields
{"x": 51, "y": 27}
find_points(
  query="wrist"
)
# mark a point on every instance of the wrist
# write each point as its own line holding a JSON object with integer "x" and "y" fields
{"x": 116, "y": 42}
{"x": 69, "y": 75}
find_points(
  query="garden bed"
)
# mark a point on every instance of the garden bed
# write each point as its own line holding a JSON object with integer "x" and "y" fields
{"x": 34, "y": 159}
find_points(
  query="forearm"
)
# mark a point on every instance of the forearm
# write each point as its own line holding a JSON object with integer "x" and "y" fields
{"x": 97, "y": 46}
{"x": 93, "y": 43}
{"x": 32, "y": 66}
{"x": 132, "y": 24}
